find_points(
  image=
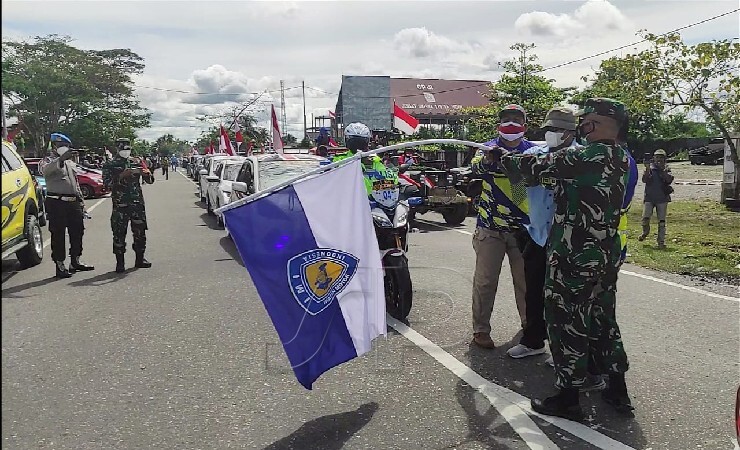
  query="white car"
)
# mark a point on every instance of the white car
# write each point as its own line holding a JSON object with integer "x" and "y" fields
{"x": 209, "y": 166}
{"x": 263, "y": 171}
{"x": 219, "y": 184}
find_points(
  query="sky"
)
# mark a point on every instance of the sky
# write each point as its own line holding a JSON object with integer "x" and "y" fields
{"x": 203, "y": 56}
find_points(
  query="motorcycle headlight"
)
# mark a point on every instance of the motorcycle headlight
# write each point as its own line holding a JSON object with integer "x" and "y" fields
{"x": 381, "y": 220}
{"x": 403, "y": 218}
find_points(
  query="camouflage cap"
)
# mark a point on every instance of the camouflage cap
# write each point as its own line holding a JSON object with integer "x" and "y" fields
{"x": 560, "y": 117}
{"x": 606, "y": 107}
{"x": 659, "y": 152}
{"x": 513, "y": 108}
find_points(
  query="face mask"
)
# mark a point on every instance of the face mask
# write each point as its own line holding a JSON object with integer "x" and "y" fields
{"x": 554, "y": 139}
{"x": 124, "y": 153}
{"x": 511, "y": 131}
{"x": 584, "y": 130}
{"x": 62, "y": 150}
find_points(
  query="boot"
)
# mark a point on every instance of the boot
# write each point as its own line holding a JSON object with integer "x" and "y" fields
{"x": 616, "y": 395}
{"x": 120, "y": 263}
{"x": 141, "y": 262}
{"x": 565, "y": 404}
{"x": 62, "y": 271}
{"x": 78, "y": 266}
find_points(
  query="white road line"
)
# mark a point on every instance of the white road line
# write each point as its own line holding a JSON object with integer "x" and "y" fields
{"x": 186, "y": 177}
{"x": 626, "y": 272}
{"x": 513, "y": 407}
{"x": 48, "y": 241}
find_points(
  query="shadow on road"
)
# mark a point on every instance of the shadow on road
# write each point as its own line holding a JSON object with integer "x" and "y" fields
{"x": 102, "y": 279}
{"x": 12, "y": 292}
{"x": 328, "y": 432}
{"x": 228, "y": 245}
{"x": 210, "y": 222}
{"x": 427, "y": 226}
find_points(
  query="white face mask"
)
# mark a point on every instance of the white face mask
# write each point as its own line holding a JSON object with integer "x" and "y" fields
{"x": 554, "y": 139}
{"x": 124, "y": 153}
{"x": 62, "y": 150}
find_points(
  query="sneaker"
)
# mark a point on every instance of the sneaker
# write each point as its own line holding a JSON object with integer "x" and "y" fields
{"x": 522, "y": 351}
{"x": 555, "y": 406}
{"x": 593, "y": 383}
{"x": 620, "y": 401}
{"x": 549, "y": 361}
{"x": 483, "y": 340}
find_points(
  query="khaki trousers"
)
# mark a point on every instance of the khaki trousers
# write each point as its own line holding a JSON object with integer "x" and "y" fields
{"x": 490, "y": 247}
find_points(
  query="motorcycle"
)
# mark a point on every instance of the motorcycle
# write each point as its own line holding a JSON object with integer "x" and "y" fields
{"x": 391, "y": 219}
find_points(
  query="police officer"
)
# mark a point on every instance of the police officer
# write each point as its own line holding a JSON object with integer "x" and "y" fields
{"x": 65, "y": 206}
{"x": 123, "y": 176}
{"x": 583, "y": 253}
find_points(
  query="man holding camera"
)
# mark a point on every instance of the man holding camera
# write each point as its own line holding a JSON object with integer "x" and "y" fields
{"x": 658, "y": 190}
{"x": 123, "y": 176}
{"x": 65, "y": 206}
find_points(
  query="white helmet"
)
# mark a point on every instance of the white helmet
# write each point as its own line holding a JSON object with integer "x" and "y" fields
{"x": 357, "y": 136}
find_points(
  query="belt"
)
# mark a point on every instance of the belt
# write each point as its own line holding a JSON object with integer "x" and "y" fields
{"x": 64, "y": 198}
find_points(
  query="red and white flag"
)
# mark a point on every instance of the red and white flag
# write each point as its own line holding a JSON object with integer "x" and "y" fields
{"x": 404, "y": 121}
{"x": 224, "y": 144}
{"x": 210, "y": 150}
{"x": 277, "y": 138}
{"x": 332, "y": 115}
{"x": 239, "y": 138}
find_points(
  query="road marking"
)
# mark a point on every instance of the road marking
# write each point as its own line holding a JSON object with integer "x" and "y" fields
{"x": 626, "y": 272}
{"x": 514, "y": 408}
{"x": 48, "y": 241}
{"x": 187, "y": 178}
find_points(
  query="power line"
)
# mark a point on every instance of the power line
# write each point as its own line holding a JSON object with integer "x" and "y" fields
{"x": 212, "y": 93}
{"x": 639, "y": 42}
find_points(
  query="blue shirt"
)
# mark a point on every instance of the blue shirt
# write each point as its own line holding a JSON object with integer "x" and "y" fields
{"x": 541, "y": 204}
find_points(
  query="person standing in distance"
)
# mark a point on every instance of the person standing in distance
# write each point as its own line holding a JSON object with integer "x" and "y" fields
{"x": 123, "y": 176}
{"x": 65, "y": 206}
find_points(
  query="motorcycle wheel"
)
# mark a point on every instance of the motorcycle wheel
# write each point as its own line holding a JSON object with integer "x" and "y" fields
{"x": 398, "y": 288}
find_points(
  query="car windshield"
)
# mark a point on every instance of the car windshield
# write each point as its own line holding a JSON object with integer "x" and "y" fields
{"x": 275, "y": 172}
{"x": 230, "y": 172}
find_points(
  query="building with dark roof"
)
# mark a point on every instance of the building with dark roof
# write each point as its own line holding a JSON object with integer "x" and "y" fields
{"x": 370, "y": 99}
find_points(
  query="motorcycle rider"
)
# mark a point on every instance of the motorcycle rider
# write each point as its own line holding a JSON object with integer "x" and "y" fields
{"x": 357, "y": 138}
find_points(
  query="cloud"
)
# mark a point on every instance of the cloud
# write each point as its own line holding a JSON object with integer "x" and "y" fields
{"x": 593, "y": 13}
{"x": 422, "y": 43}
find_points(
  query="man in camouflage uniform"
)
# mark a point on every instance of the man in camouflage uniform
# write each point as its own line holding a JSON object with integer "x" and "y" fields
{"x": 122, "y": 176}
{"x": 583, "y": 253}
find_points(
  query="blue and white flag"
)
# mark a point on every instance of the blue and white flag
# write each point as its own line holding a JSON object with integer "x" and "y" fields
{"x": 312, "y": 253}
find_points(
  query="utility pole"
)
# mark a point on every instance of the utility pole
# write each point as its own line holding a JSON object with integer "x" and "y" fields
{"x": 305, "y": 130}
{"x": 5, "y": 120}
{"x": 283, "y": 117}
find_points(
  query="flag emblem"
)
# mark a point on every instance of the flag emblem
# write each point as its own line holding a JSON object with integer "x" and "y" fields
{"x": 317, "y": 276}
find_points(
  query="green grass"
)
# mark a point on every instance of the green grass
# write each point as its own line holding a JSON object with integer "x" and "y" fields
{"x": 703, "y": 238}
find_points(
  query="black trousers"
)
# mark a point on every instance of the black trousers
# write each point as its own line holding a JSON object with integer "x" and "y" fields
{"x": 65, "y": 217}
{"x": 535, "y": 264}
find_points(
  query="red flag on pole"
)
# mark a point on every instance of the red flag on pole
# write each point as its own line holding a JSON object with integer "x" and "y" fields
{"x": 224, "y": 144}
{"x": 404, "y": 121}
{"x": 239, "y": 138}
{"x": 277, "y": 138}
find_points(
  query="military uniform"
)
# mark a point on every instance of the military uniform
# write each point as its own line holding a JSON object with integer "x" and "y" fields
{"x": 128, "y": 203}
{"x": 583, "y": 253}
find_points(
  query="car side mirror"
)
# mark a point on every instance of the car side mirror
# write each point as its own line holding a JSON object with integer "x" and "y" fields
{"x": 213, "y": 179}
{"x": 238, "y": 186}
{"x": 203, "y": 172}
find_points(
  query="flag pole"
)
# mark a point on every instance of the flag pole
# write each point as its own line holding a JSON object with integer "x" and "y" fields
{"x": 355, "y": 157}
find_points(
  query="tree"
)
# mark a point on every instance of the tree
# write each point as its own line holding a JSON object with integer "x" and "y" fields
{"x": 87, "y": 94}
{"x": 289, "y": 139}
{"x": 672, "y": 76}
{"x": 305, "y": 143}
{"x": 167, "y": 145}
{"x": 522, "y": 85}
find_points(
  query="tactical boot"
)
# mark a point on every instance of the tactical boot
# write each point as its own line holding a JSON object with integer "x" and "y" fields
{"x": 62, "y": 271}
{"x": 78, "y": 266}
{"x": 141, "y": 262}
{"x": 120, "y": 263}
{"x": 616, "y": 395}
{"x": 565, "y": 404}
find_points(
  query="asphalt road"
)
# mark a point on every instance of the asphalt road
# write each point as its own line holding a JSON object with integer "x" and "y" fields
{"x": 183, "y": 355}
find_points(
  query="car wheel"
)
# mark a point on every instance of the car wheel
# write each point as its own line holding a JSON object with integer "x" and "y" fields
{"x": 87, "y": 191}
{"x": 209, "y": 208}
{"x": 32, "y": 254}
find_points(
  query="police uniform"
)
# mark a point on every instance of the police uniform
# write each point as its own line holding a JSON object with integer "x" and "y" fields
{"x": 128, "y": 206}
{"x": 65, "y": 210}
{"x": 583, "y": 255}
